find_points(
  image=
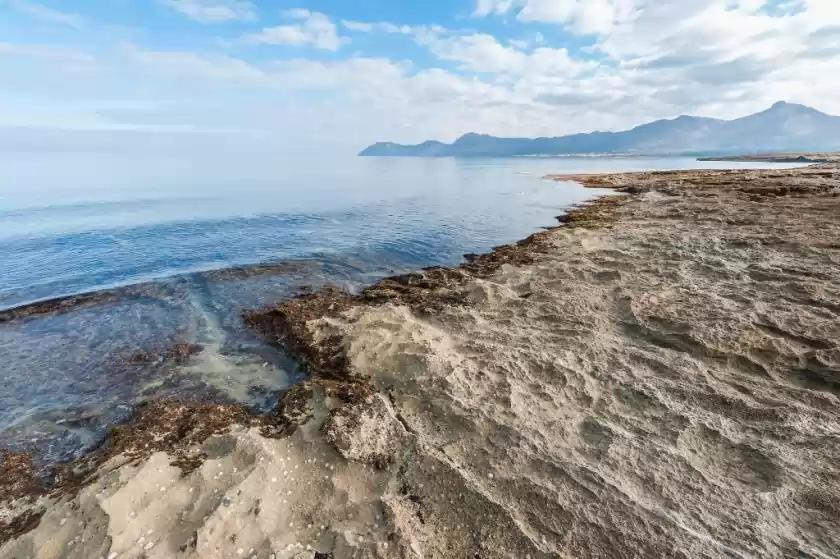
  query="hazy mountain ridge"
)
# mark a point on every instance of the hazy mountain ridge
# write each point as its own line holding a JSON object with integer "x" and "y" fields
{"x": 782, "y": 127}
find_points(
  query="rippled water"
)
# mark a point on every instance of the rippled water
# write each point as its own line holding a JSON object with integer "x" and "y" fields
{"x": 73, "y": 223}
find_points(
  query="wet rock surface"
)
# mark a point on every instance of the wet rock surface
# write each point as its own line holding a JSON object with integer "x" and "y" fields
{"x": 62, "y": 305}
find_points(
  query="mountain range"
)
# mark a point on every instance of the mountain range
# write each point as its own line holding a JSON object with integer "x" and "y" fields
{"x": 784, "y": 127}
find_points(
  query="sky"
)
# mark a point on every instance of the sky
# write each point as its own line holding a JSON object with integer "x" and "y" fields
{"x": 324, "y": 75}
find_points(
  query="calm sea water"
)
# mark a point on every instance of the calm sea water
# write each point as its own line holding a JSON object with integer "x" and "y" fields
{"x": 72, "y": 223}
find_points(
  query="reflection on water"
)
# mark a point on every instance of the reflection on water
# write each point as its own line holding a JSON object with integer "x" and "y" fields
{"x": 71, "y": 226}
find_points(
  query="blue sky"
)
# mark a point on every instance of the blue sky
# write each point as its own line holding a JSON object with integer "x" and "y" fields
{"x": 329, "y": 74}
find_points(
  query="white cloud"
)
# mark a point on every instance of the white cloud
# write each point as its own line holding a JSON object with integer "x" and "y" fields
{"x": 589, "y": 17}
{"x": 484, "y": 53}
{"x": 43, "y": 13}
{"x": 293, "y": 74}
{"x": 213, "y": 11}
{"x": 393, "y": 28}
{"x": 717, "y": 57}
{"x": 487, "y": 7}
{"x": 359, "y": 26}
{"x": 315, "y": 30}
{"x": 582, "y": 16}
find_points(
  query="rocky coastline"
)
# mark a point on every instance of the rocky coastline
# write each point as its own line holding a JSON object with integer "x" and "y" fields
{"x": 657, "y": 376}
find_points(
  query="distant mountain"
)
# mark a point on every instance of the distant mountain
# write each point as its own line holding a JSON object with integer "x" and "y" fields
{"x": 783, "y": 127}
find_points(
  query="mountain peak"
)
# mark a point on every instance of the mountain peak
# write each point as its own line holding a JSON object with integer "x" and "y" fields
{"x": 472, "y": 136}
{"x": 785, "y": 106}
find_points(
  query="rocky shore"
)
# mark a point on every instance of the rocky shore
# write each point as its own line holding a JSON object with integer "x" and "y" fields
{"x": 659, "y": 376}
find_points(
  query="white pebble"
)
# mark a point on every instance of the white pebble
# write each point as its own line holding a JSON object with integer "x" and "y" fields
{"x": 490, "y": 476}
{"x": 274, "y": 480}
{"x": 149, "y": 545}
{"x": 112, "y": 555}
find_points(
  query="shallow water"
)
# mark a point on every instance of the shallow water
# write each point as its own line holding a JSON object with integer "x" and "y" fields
{"x": 73, "y": 223}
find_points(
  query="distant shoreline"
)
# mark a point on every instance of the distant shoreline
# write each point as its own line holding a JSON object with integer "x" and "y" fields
{"x": 779, "y": 158}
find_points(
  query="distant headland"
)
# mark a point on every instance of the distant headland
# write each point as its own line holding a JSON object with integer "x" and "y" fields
{"x": 784, "y": 127}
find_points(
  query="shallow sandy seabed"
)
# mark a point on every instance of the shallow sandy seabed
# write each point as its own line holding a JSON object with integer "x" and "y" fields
{"x": 659, "y": 379}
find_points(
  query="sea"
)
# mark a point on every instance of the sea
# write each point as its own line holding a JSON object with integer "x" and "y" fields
{"x": 185, "y": 244}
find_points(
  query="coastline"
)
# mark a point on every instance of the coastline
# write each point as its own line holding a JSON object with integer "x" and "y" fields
{"x": 778, "y": 158}
{"x": 178, "y": 427}
{"x": 445, "y": 383}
